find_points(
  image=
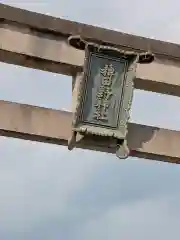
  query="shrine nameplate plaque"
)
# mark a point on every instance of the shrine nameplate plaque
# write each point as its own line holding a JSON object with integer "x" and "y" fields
{"x": 105, "y": 92}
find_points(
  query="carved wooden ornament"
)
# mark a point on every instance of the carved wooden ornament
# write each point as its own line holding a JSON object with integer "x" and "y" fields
{"x": 105, "y": 92}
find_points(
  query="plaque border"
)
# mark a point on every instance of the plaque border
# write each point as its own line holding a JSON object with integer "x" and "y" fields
{"x": 120, "y": 131}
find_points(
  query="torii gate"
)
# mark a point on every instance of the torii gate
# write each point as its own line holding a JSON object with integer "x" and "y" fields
{"x": 25, "y": 35}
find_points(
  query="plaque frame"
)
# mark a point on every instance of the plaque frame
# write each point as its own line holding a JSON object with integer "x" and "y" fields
{"x": 130, "y": 59}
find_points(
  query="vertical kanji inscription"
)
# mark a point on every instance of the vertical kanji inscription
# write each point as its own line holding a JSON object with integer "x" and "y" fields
{"x": 104, "y": 93}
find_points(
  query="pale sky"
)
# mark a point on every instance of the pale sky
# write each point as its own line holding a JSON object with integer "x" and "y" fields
{"x": 49, "y": 193}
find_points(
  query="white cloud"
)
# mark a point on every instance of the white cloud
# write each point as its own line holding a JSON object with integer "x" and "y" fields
{"x": 37, "y": 180}
{"x": 146, "y": 219}
{"x": 35, "y": 87}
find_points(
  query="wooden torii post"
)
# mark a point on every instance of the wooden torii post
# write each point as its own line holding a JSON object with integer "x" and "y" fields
{"x": 39, "y": 41}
